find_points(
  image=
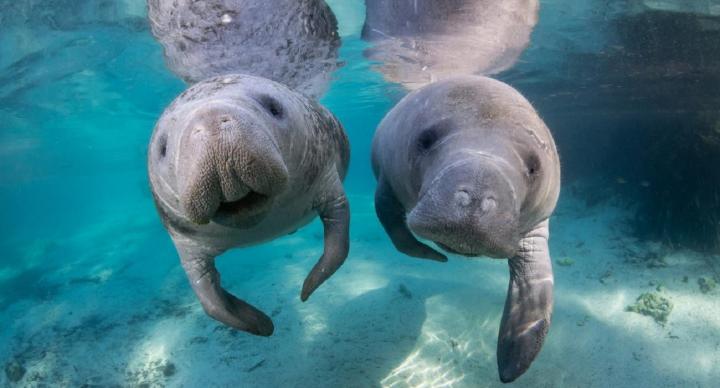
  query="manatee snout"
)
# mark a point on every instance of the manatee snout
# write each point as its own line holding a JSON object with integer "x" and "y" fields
{"x": 469, "y": 209}
{"x": 230, "y": 167}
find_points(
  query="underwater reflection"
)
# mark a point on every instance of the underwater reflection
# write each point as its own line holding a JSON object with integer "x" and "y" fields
{"x": 420, "y": 41}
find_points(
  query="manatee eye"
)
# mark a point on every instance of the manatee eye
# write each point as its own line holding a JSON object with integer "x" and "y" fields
{"x": 162, "y": 146}
{"x": 271, "y": 105}
{"x": 429, "y": 136}
{"x": 426, "y": 139}
{"x": 532, "y": 163}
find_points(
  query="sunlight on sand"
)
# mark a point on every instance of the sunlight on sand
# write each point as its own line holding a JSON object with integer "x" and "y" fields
{"x": 452, "y": 340}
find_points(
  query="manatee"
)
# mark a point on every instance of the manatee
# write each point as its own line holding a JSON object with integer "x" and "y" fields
{"x": 292, "y": 42}
{"x": 238, "y": 160}
{"x": 420, "y": 41}
{"x": 468, "y": 164}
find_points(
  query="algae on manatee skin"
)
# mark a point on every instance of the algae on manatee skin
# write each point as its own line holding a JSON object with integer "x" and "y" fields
{"x": 706, "y": 284}
{"x": 565, "y": 262}
{"x": 653, "y": 305}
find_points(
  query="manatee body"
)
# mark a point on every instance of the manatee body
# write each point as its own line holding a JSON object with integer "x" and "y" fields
{"x": 292, "y": 42}
{"x": 422, "y": 41}
{"x": 237, "y": 160}
{"x": 468, "y": 164}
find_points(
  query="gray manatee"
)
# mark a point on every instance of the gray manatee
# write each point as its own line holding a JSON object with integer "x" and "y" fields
{"x": 468, "y": 164}
{"x": 288, "y": 41}
{"x": 237, "y": 160}
{"x": 422, "y": 41}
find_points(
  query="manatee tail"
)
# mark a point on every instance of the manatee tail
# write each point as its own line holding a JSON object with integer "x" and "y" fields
{"x": 528, "y": 307}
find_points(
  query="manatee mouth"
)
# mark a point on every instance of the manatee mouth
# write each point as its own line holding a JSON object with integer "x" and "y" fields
{"x": 488, "y": 249}
{"x": 246, "y": 211}
{"x": 456, "y": 252}
{"x": 253, "y": 200}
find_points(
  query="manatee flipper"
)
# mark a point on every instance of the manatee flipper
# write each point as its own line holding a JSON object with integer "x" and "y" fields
{"x": 528, "y": 307}
{"x": 218, "y": 303}
{"x": 391, "y": 214}
{"x": 334, "y": 213}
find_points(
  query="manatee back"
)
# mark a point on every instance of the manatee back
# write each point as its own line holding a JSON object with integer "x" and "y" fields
{"x": 288, "y": 41}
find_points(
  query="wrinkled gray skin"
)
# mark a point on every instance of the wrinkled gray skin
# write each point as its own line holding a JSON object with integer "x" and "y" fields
{"x": 422, "y": 41}
{"x": 468, "y": 164}
{"x": 289, "y": 41}
{"x": 238, "y": 160}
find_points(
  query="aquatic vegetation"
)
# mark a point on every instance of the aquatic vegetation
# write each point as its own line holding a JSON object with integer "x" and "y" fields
{"x": 652, "y": 305}
{"x": 707, "y": 284}
{"x": 154, "y": 373}
{"x": 14, "y": 371}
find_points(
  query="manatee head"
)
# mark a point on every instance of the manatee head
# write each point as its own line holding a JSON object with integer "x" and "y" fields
{"x": 220, "y": 151}
{"x": 472, "y": 186}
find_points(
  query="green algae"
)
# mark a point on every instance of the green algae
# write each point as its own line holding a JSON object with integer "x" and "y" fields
{"x": 652, "y": 305}
{"x": 706, "y": 284}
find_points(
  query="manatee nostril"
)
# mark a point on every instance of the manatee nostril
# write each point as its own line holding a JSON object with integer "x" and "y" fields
{"x": 462, "y": 198}
{"x": 488, "y": 204}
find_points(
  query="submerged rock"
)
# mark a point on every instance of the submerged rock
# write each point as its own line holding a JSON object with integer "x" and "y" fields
{"x": 706, "y": 284}
{"x": 168, "y": 369}
{"x": 403, "y": 290}
{"x": 653, "y": 305}
{"x": 14, "y": 371}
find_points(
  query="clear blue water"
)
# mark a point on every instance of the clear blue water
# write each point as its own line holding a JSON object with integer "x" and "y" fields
{"x": 90, "y": 287}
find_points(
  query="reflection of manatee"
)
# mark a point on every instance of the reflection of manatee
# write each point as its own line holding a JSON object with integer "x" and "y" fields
{"x": 467, "y": 163}
{"x": 36, "y": 33}
{"x": 237, "y": 160}
{"x": 288, "y": 41}
{"x": 707, "y": 7}
{"x": 421, "y": 41}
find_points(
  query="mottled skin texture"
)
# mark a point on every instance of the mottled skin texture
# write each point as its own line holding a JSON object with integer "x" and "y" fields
{"x": 289, "y": 41}
{"x": 422, "y": 41}
{"x": 468, "y": 164}
{"x": 238, "y": 160}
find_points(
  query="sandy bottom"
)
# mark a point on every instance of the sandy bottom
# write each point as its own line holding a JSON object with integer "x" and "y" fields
{"x": 110, "y": 307}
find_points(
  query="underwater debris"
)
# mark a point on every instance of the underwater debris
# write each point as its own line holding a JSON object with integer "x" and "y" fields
{"x": 404, "y": 291}
{"x": 565, "y": 262}
{"x": 152, "y": 374}
{"x": 659, "y": 286}
{"x": 583, "y": 321}
{"x": 706, "y": 284}
{"x": 14, "y": 371}
{"x": 605, "y": 276}
{"x": 656, "y": 262}
{"x": 199, "y": 340}
{"x": 652, "y": 305}
{"x": 258, "y": 365}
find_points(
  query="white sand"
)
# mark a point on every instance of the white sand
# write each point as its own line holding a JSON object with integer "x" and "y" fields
{"x": 122, "y": 314}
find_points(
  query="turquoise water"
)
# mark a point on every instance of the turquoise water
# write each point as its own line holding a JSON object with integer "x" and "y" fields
{"x": 91, "y": 293}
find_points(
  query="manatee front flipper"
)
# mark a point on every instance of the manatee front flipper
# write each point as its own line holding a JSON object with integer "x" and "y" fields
{"x": 528, "y": 306}
{"x": 391, "y": 214}
{"x": 334, "y": 213}
{"x": 218, "y": 303}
